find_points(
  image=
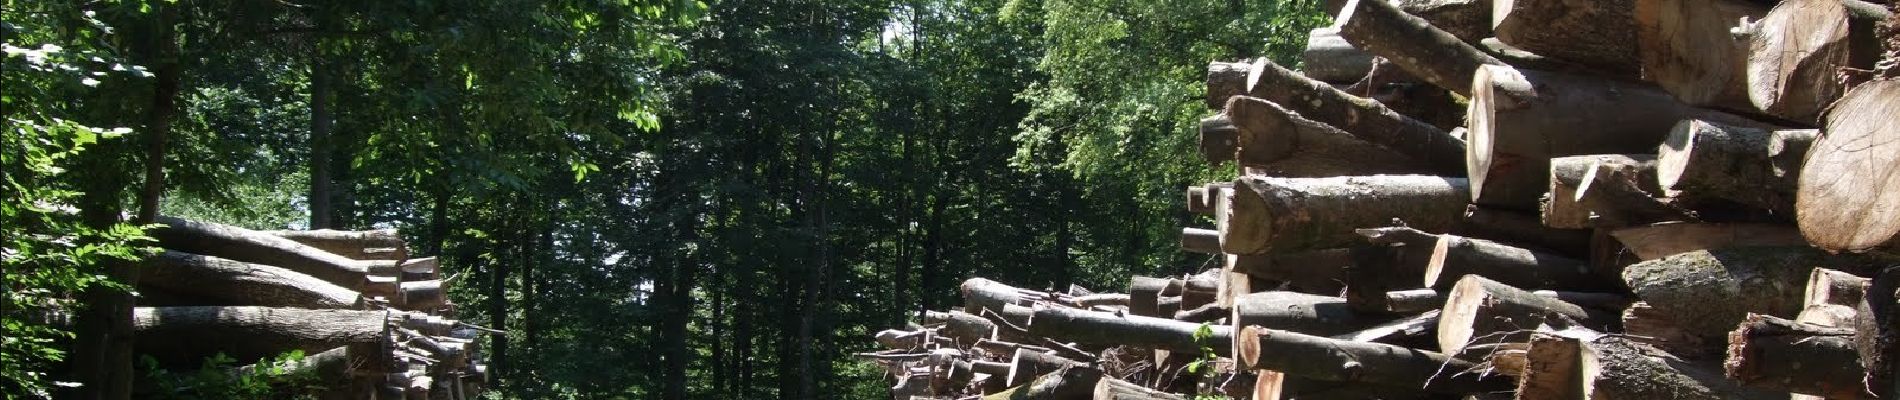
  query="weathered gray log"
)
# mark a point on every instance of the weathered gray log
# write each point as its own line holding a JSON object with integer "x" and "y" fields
{"x": 1658, "y": 241}
{"x": 1455, "y": 256}
{"x": 1519, "y": 119}
{"x": 1365, "y": 119}
{"x": 239, "y": 244}
{"x": 1381, "y": 28}
{"x": 1687, "y": 49}
{"x": 1328, "y": 58}
{"x": 1600, "y": 34}
{"x": 1562, "y": 209}
{"x": 1848, "y": 198}
{"x": 1289, "y": 145}
{"x": 1796, "y": 50}
{"x": 1650, "y": 326}
{"x": 1224, "y": 80}
{"x": 1027, "y": 364}
{"x": 1777, "y": 354}
{"x": 1112, "y": 329}
{"x": 238, "y": 283}
{"x": 1709, "y": 291}
{"x": 1327, "y": 359}
{"x": 376, "y": 244}
{"x": 1479, "y": 310}
{"x": 1469, "y": 20}
{"x": 1298, "y": 214}
{"x": 1709, "y": 159}
{"x": 962, "y": 326}
{"x": 980, "y": 293}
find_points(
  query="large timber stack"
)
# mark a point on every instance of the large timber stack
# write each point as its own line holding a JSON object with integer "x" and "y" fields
{"x": 373, "y": 321}
{"x": 1530, "y": 199}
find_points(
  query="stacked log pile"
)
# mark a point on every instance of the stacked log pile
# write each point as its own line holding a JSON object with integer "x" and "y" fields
{"x": 1638, "y": 199}
{"x": 373, "y": 321}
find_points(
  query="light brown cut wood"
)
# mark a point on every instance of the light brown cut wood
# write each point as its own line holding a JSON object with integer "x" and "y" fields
{"x": 1707, "y": 292}
{"x": 229, "y": 282}
{"x": 1026, "y": 364}
{"x": 1328, "y": 58}
{"x": 1365, "y": 119}
{"x": 1560, "y": 208}
{"x": 1600, "y": 34}
{"x": 1778, "y": 354}
{"x": 1835, "y": 315}
{"x": 1483, "y": 311}
{"x": 1379, "y": 27}
{"x": 1848, "y": 198}
{"x": 1877, "y": 333}
{"x": 1116, "y": 389}
{"x": 1327, "y": 359}
{"x": 358, "y": 245}
{"x": 1416, "y": 300}
{"x": 1707, "y": 159}
{"x": 1796, "y": 50}
{"x": 1063, "y": 384}
{"x": 1827, "y": 286}
{"x": 1289, "y": 145}
{"x": 1298, "y": 214}
{"x": 1687, "y": 48}
{"x": 1617, "y": 367}
{"x": 1661, "y": 240}
{"x": 1519, "y": 119}
{"x": 1615, "y": 197}
{"x": 1455, "y": 256}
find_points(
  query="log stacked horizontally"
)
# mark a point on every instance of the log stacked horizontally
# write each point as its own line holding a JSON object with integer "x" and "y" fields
{"x": 376, "y": 322}
{"x": 1655, "y": 199}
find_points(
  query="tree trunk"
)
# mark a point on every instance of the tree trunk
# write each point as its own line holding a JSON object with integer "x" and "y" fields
{"x": 1454, "y": 256}
{"x": 238, "y": 283}
{"x": 1560, "y": 207}
{"x": 378, "y": 244}
{"x": 1328, "y": 58}
{"x": 1685, "y": 47}
{"x": 1469, "y": 20}
{"x": 1342, "y": 361}
{"x": 1026, "y": 364}
{"x": 1520, "y": 119}
{"x": 1653, "y": 327}
{"x": 1295, "y": 214}
{"x": 1391, "y": 259}
{"x": 1144, "y": 294}
{"x": 1796, "y": 50}
{"x": 1224, "y": 80}
{"x": 1599, "y": 34}
{"x": 1418, "y": 300}
{"x": 1614, "y": 367}
{"x": 1482, "y": 311}
{"x": 1108, "y": 329}
{"x": 1848, "y": 194}
{"x": 1522, "y": 228}
{"x": 1317, "y": 271}
{"x": 979, "y": 294}
{"x": 1366, "y": 120}
{"x": 184, "y": 336}
{"x": 1703, "y": 158}
{"x": 1202, "y": 241}
{"x": 1299, "y": 312}
{"x": 321, "y": 122}
{"x": 1289, "y": 145}
{"x": 1615, "y": 198}
{"x": 239, "y": 244}
{"x": 1658, "y": 241}
{"x": 1776, "y": 354}
{"x": 1430, "y": 53}
{"x": 1709, "y": 291}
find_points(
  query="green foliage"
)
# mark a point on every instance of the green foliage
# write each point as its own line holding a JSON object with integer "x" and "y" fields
{"x": 221, "y": 378}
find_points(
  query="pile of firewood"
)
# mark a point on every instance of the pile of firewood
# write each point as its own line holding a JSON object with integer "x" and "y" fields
{"x": 1533, "y": 199}
{"x": 372, "y": 321}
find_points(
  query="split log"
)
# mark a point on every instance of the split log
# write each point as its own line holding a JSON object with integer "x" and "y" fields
{"x": 1482, "y": 310}
{"x": 183, "y": 336}
{"x": 1658, "y": 241}
{"x": 1289, "y": 145}
{"x": 1114, "y": 329}
{"x": 1328, "y": 58}
{"x": 1615, "y": 197}
{"x": 1600, "y": 34}
{"x": 1295, "y": 214}
{"x": 1455, "y": 256}
{"x": 1526, "y": 229}
{"x": 1771, "y": 353}
{"x": 1826, "y": 286}
{"x": 239, "y": 244}
{"x": 377, "y": 244}
{"x": 1645, "y": 324}
{"x": 1317, "y": 271}
{"x": 1203, "y": 241}
{"x": 1877, "y": 333}
{"x": 1686, "y": 48}
{"x": 1709, "y": 159}
{"x": 1596, "y": 366}
{"x": 1201, "y": 198}
{"x": 1381, "y": 28}
{"x": 1849, "y": 198}
{"x": 1562, "y": 209}
{"x": 1520, "y": 119}
{"x": 1709, "y": 291}
{"x": 1367, "y": 120}
{"x": 1068, "y": 383}
{"x": 1797, "y": 49}
{"x": 1219, "y": 139}
{"x": 1326, "y": 359}
{"x": 238, "y": 283}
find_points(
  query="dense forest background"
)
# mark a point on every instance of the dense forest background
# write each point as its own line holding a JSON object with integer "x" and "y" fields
{"x": 655, "y": 198}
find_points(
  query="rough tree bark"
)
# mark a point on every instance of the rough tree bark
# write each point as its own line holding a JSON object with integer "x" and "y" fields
{"x": 1561, "y": 209}
{"x": 1479, "y": 310}
{"x": 1326, "y": 359}
{"x": 1600, "y": 34}
{"x": 239, "y": 283}
{"x": 1658, "y": 241}
{"x": 1778, "y": 354}
{"x": 1106, "y": 329}
{"x": 1289, "y": 145}
{"x": 1365, "y": 119}
{"x": 1455, "y": 256}
{"x": 1328, "y": 58}
{"x": 1709, "y": 291}
{"x": 1381, "y": 28}
{"x": 1703, "y": 158}
{"x": 1296, "y": 214}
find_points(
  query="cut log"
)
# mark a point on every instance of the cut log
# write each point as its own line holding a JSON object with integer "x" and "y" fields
{"x": 239, "y": 244}
{"x": 1561, "y": 209}
{"x": 1391, "y": 259}
{"x": 422, "y": 295}
{"x": 184, "y": 336}
{"x": 1600, "y": 34}
{"x": 1455, "y": 256}
{"x": 962, "y": 326}
{"x": 1064, "y": 384}
{"x": 1289, "y": 145}
{"x": 1116, "y": 389}
{"x": 1203, "y": 241}
{"x": 1200, "y": 199}
{"x": 1616, "y": 367}
{"x": 1522, "y": 228}
{"x": 1615, "y": 197}
{"x": 1645, "y": 324}
{"x": 1416, "y": 300}
{"x": 1111, "y": 329}
{"x": 1877, "y": 333}
{"x": 1709, "y": 159}
{"x": 1520, "y": 119}
{"x": 1835, "y": 315}
{"x": 1328, "y": 58}
{"x": 1776, "y": 354}
{"x": 1201, "y": 289}
{"x": 1402, "y": 331}
{"x": 1367, "y": 120}
{"x": 1849, "y": 196}
{"x": 1826, "y": 286}
{"x": 1797, "y": 49}
{"x": 1224, "y": 80}
{"x": 377, "y": 244}
{"x": 1382, "y": 29}
{"x": 1317, "y": 271}
{"x": 1299, "y": 312}
{"x": 237, "y": 283}
{"x": 1658, "y": 241}
{"x": 1219, "y": 139}
{"x": 1326, "y": 359}
{"x": 979, "y": 294}
{"x": 1469, "y": 20}
{"x": 1026, "y": 364}
{"x": 1479, "y": 310}
{"x": 1686, "y": 47}
{"x": 1144, "y": 293}
{"x": 1709, "y": 291}
{"x": 1296, "y": 214}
